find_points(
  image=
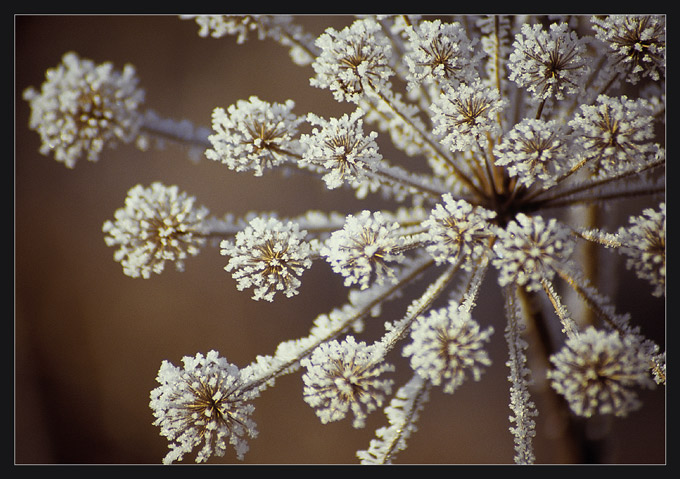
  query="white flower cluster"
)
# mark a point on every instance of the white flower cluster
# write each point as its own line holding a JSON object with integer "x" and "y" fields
{"x": 341, "y": 149}
{"x": 157, "y": 224}
{"x": 344, "y": 376}
{"x": 203, "y": 404}
{"x": 644, "y": 242}
{"x": 83, "y": 107}
{"x": 363, "y": 249}
{"x": 253, "y": 135}
{"x": 448, "y": 345}
{"x": 597, "y": 372}
{"x": 530, "y": 249}
{"x": 268, "y": 255}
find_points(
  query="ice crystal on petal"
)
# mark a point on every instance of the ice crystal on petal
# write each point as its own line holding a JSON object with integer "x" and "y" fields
{"x": 346, "y": 376}
{"x": 549, "y": 64}
{"x": 268, "y": 256}
{"x": 637, "y": 44}
{"x": 448, "y": 346}
{"x": 534, "y": 150}
{"x": 363, "y": 249}
{"x": 458, "y": 231}
{"x": 597, "y": 372}
{"x": 353, "y": 62}
{"x": 203, "y": 404}
{"x": 529, "y": 249}
{"x": 341, "y": 148}
{"x": 463, "y": 116}
{"x": 644, "y": 242}
{"x": 83, "y": 107}
{"x": 254, "y": 135}
{"x": 157, "y": 224}
{"x": 440, "y": 53}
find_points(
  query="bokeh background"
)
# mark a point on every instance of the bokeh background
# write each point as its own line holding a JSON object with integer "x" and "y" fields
{"x": 88, "y": 341}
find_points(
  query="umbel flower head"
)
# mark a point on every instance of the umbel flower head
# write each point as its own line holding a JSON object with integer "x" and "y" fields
{"x": 457, "y": 231}
{"x": 530, "y": 250}
{"x": 269, "y": 256}
{"x": 363, "y": 249}
{"x": 447, "y": 346}
{"x": 83, "y": 107}
{"x": 203, "y": 403}
{"x": 253, "y": 135}
{"x": 549, "y": 64}
{"x": 340, "y": 148}
{"x": 644, "y": 242}
{"x": 157, "y": 224}
{"x": 344, "y": 376}
{"x": 597, "y": 372}
{"x": 354, "y": 61}
{"x": 637, "y": 44}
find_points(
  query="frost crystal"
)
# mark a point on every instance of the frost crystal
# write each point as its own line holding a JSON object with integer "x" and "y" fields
{"x": 340, "y": 148}
{"x": 597, "y": 371}
{"x": 157, "y": 224}
{"x": 529, "y": 250}
{"x": 363, "y": 248}
{"x": 269, "y": 256}
{"x": 644, "y": 242}
{"x": 353, "y": 62}
{"x": 83, "y": 107}
{"x": 549, "y": 64}
{"x": 346, "y": 376}
{"x": 253, "y": 135}
{"x": 448, "y": 345}
{"x": 457, "y": 231}
{"x": 203, "y": 403}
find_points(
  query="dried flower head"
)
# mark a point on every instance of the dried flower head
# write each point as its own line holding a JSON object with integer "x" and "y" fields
{"x": 83, "y": 107}
{"x": 637, "y": 44}
{"x": 615, "y": 134}
{"x": 447, "y": 346}
{"x": 597, "y": 371}
{"x": 530, "y": 249}
{"x": 458, "y": 231}
{"x": 353, "y": 62}
{"x": 157, "y": 224}
{"x": 363, "y": 249}
{"x": 465, "y": 115}
{"x": 340, "y": 148}
{"x": 346, "y": 376}
{"x": 440, "y": 53}
{"x": 644, "y": 242}
{"x": 203, "y": 403}
{"x": 253, "y": 135}
{"x": 534, "y": 151}
{"x": 268, "y": 256}
{"x": 549, "y": 64}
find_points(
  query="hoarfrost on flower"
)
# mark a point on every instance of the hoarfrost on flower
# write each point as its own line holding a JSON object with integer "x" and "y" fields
{"x": 204, "y": 404}
{"x": 344, "y": 376}
{"x": 157, "y": 224}
{"x": 83, "y": 107}
{"x": 268, "y": 256}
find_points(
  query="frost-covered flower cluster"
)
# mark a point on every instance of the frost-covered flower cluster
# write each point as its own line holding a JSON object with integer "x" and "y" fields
{"x": 83, "y": 107}
{"x": 514, "y": 136}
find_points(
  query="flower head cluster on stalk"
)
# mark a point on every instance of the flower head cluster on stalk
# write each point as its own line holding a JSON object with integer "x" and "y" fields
{"x": 518, "y": 121}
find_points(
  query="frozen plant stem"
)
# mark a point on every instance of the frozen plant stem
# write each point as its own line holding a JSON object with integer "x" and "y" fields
{"x": 502, "y": 126}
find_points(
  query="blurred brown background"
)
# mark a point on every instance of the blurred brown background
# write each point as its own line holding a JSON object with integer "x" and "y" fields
{"x": 89, "y": 340}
